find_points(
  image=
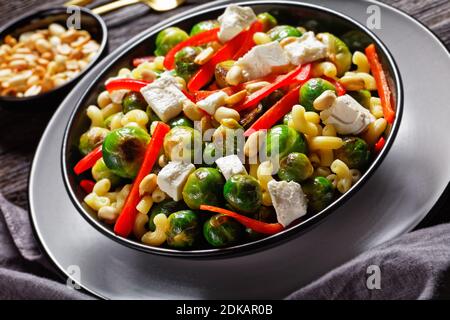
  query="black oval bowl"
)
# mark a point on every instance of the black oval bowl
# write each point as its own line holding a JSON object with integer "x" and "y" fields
{"x": 40, "y": 19}
{"x": 143, "y": 44}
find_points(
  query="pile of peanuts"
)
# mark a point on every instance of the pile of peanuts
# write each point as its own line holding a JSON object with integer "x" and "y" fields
{"x": 41, "y": 60}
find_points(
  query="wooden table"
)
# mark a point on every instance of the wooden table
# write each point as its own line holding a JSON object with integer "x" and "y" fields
{"x": 20, "y": 130}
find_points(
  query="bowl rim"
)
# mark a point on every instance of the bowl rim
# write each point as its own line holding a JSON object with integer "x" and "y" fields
{"x": 48, "y": 12}
{"x": 269, "y": 241}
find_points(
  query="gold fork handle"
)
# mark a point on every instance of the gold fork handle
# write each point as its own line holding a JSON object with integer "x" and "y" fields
{"x": 80, "y": 3}
{"x": 113, "y": 6}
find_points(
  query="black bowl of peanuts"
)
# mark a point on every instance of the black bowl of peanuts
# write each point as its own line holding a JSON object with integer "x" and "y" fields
{"x": 44, "y": 53}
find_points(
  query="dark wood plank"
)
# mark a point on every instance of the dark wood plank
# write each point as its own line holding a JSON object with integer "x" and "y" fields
{"x": 20, "y": 131}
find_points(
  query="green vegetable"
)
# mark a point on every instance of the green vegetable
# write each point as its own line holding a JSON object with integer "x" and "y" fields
{"x": 181, "y": 143}
{"x": 185, "y": 66}
{"x": 339, "y": 53}
{"x": 203, "y": 186}
{"x": 355, "y": 153}
{"x": 166, "y": 207}
{"x": 204, "y": 26}
{"x": 151, "y": 115}
{"x": 209, "y": 154}
{"x": 264, "y": 214}
{"x": 356, "y": 40}
{"x": 101, "y": 171}
{"x": 282, "y": 140}
{"x": 92, "y": 139}
{"x": 295, "y": 167}
{"x": 168, "y": 38}
{"x": 124, "y": 149}
{"x": 183, "y": 230}
{"x": 133, "y": 100}
{"x": 181, "y": 121}
{"x": 319, "y": 192}
{"x": 287, "y": 118}
{"x": 221, "y": 71}
{"x": 312, "y": 89}
{"x": 362, "y": 96}
{"x": 278, "y": 33}
{"x": 267, "y": 20}
{"x": 243, "y": 193}
{"x": 222, "y": 231}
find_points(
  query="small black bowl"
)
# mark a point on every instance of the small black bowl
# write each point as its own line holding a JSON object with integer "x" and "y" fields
{"x": 41, "y": 19}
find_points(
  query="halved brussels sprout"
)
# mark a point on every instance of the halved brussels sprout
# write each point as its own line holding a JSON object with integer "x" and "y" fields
{"x": 203, "y": 186}
{"x": 312, "y": 89}
{"x": 267, "y": 20}
{"x": 92, "y": 139}
{"x": 282, "y": 140}
{"x": 355, "y": 153}
{"x": 124, "y": 149}
{"x": 362, "y": 96}
{"x": 204, "y": 26}
{"x": 185, "y": 66}
{"x": 338, "y": 52}
{"x": 101, "y": 171}
{"x": 221, "y": 71}
{"x": 166, "y": 207}
{"x": 169, "y": 38}
{"x": 181, "y": 144}
{"x": 183, "y": 230}
{"x": 278, "y": 33}
{"x": 264, "y": 214}
{"x": 243, "y": 193}
{"x": 295, "y": 167}
{"x": 133, "y": 100}
{"x": 222, "y": 231}
{"x": 319, "y": 192}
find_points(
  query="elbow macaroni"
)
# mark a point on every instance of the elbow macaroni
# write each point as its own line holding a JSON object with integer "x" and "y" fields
{"x": 343, "y": 178}
{"x": 375, "y": 130}
{"x": 157, "y": 237}
{"x": 362, "y": 63}
{"x": 301, "y": 124}
{"x": 325, "y": 68}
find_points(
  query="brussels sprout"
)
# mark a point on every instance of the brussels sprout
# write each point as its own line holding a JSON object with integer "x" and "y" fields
{"x": 287, "y": 118}
{"x": 204, "y": 26}
{"x": 92, "y": 139}
{"x": 282, "y": 140}
{"x": 243, "y": 193}
{"x": 319, "y": 192}
{"x": 168, "y": 38}
{"x": 221, "y": 71}
{"x": 101, "y": 171}
{"x": 278, "y": 33}
{"x": 183, "y": 230}
{"x": 124, "y": 149}
{"x": 181, "y": 143}
{"x": 133, "y": 100}
{"x": 222, "y": 231}
{"x": 209, "y": 154}
{"x": 267, "y": 20}
{"x": 339, "y": 53}
{"x": 362, "y": 96}
{"x": 166, "y": 207}
{"x": 264, "y": 214}
{"x": 181, "y": 121}
{"x": 203, "y": 186}
{"x": 185, "y": 66}
{"x": 355, "y": 153}
{"x": 356, "y": 40}
{"x": 312, "y": 89}
{"x": 151, "y": 115}
{"x": 295, "y": 167}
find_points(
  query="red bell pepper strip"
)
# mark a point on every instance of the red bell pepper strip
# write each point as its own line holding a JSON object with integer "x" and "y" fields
{"x": 256, "y": 225}
{"x": 237, "y": 46}
{"x": 88, "y": 161}
{"x": 140, "y": 60}
{"x": 125, "y": 222}
{"x": 382, "y": 85}
{"x": 127, "y": 84}
{"x": 87, "y": 185}
{"x": 281, "y": 81}
{"x": 340, "y": 90}
{"x": 380, "y": 144}
{"x": 197, "y": 40}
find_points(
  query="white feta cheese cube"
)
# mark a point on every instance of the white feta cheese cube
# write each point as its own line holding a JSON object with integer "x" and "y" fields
{"x": 262, "y": 59}
{"x": 306, "y": 49}
{"x": 288, "y": 200}
{"x": 212, "y": 102}
{"x": 347, "y": 116}
{"x": 164, "y": 97}
{"x": 230, "y": 165}
{"x": 172, "y": 178}
{"x": 234, "y": 20}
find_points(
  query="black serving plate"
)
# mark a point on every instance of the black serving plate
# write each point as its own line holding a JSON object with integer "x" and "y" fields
{"x": 40, "y": 19}
{"x": 315, "y": 17}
